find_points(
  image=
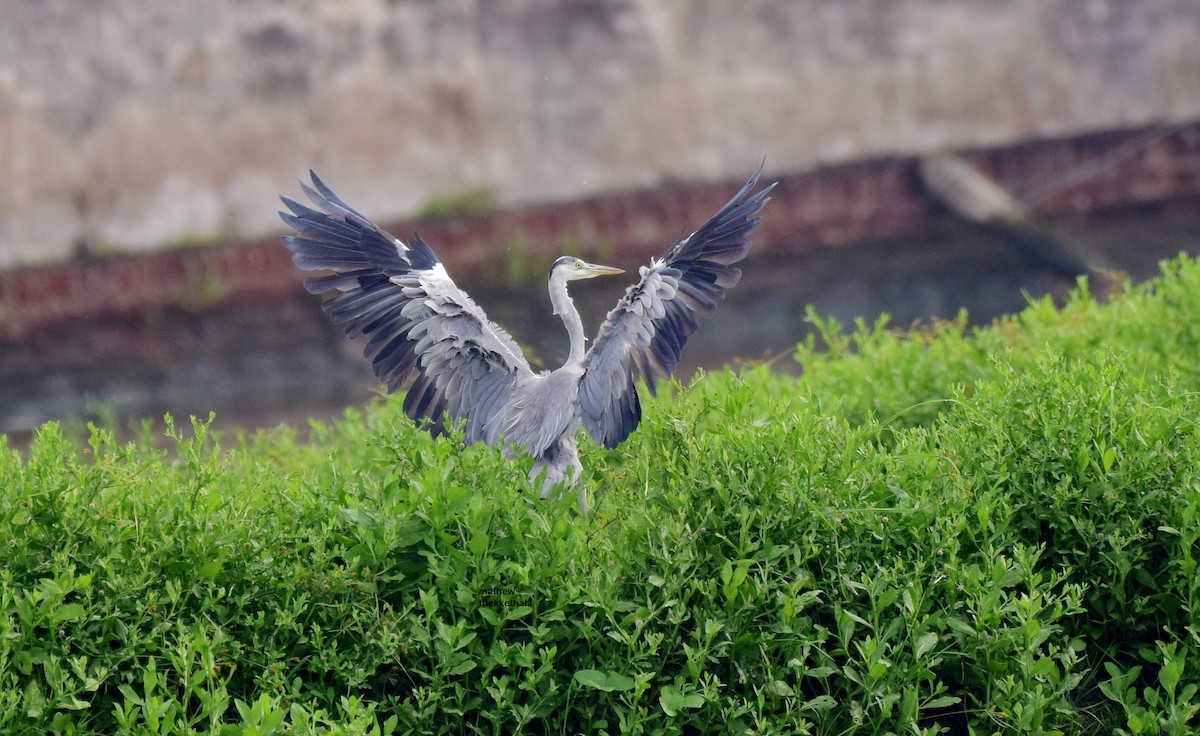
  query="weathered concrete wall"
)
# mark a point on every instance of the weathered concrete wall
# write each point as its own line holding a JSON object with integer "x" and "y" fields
{"x": 129, "y": 124}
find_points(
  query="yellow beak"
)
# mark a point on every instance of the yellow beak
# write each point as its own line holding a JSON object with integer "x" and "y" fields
{"x": 594, "y": 269}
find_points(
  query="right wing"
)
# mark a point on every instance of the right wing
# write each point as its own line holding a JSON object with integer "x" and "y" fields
{"x": 400, "y": 297}
{"x": 647, "y": 329}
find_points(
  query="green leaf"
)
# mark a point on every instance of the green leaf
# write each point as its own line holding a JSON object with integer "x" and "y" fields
{"x": 410, "y": 532}
{"x": 781, "y": 688}
{"x": 592, "y": 678}
{"x": 943, "y": 702}
{"x": 478, "y": 543}
{"x": 69, "y": 612}
{"x": 490, "y": 616}
{"x": 209, "y": 570}
{"x": 672, "y": 701}
{"x": 35, "y": 702}
{"x": 606, "y": 681}
{"x": 429, "y": 601}
{"x": 1044, "y": 667}
{"x": 926, "y": 643}
{"x": 962, "y": 627}
{"x": 1171, "y": 670}
{"x": 129, "y": 694}
{"x": 620, "y": 683}
{"x": 819, "y": 703}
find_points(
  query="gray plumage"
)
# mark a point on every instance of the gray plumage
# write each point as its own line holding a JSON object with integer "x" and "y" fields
{"x": 469, "y": 370}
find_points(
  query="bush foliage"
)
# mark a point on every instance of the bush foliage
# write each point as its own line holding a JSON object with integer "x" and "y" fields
{"x": 942, "y": 531}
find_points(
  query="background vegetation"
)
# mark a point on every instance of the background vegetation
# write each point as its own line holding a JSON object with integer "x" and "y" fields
{"x": 992, "y": 532}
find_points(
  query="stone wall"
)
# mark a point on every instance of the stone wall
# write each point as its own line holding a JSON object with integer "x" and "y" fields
{"x": 133, "y": 125}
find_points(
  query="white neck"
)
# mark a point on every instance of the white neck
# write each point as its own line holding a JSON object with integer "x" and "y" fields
{"x": 565, "y": 308}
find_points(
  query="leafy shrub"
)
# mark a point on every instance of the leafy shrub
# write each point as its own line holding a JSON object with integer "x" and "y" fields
{"x": 931, "y": 532}
{"x": 474, "y": 199}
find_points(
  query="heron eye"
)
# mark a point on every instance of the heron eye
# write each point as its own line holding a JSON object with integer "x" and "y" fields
{"x": 578, "y": 264}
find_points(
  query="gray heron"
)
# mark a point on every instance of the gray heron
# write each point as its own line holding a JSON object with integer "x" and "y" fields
{"x": 470, "y": 371}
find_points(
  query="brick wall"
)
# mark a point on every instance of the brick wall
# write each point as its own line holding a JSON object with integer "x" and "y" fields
{"x": 830, "y": 206}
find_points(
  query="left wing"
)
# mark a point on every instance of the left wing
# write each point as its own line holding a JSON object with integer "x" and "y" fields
{"x": 649, "y": 326}
{"x": 399, "y": 296}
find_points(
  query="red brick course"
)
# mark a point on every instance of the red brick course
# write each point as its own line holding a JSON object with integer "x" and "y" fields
{"x": 828, "y": 206}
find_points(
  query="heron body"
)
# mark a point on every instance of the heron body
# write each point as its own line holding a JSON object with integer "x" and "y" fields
{"x": 469, "y": 370}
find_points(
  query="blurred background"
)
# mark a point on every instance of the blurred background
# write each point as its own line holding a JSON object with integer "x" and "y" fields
{"x": 933, "y": 155}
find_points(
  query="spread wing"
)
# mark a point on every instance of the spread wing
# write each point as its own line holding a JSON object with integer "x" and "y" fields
{"x": 646, "y": 331}
{"x": 416, "y": 320}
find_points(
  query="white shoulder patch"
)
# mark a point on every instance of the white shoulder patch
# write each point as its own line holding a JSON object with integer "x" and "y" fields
{"x": 433, "y": 280}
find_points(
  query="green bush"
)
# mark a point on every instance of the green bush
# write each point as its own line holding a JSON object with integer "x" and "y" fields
{"x": 474, "y": 199}
{"x": 993, "y": 532}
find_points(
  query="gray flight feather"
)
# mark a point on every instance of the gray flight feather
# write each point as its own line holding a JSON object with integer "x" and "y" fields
{"x": 646, "y": 331}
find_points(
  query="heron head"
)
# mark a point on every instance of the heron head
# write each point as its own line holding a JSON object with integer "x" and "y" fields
{"x": 570, "y": 268}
